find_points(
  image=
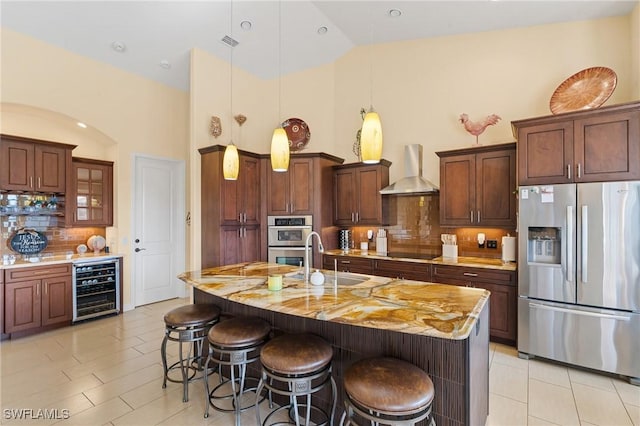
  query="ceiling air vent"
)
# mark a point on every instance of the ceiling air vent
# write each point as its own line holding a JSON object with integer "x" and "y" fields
{"x": 229, "y": 41}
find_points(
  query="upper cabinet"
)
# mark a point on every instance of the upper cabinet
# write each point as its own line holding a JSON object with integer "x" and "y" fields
{"x": 357, "y": 198}
{"x": 90, "y": 193}
{"x": 32, "y": 165}
{"x": 291, "y": 192}
{"x": 477, "y": 186}
{"x": 596, "y": 145}
{"x": 230, "y": 209}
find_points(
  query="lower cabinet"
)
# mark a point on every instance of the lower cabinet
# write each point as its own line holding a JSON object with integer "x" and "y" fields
{"x": 37, "y": 297}
{"x": 403, "y": 270}
{"x": 503, "y": 325}
{"x": 241, "y": 244}
{"x": 357, "y": 265}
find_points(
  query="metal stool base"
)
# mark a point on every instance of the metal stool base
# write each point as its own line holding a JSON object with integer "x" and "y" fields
{"x": 408, "y": 418}
{"x": 296, "y": 386}
{"x": 234, "y": 358}
{"x": 193, "y": 335}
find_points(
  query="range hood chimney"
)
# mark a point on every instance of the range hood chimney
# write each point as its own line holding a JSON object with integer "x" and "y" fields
{"x": 413, "y": 182}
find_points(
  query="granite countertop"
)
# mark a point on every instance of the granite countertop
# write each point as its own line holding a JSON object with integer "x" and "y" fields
{"x": 56, "y": 258}
{"x": 468, "y": 261}
{"x": 436, "y": 310}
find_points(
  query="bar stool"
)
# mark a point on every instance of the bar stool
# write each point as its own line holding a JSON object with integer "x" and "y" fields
{"x": 387, "y": 391}
{"x": 235, "y": 343}
{"x": 297, "y": 365}
{"x": 187, "y": 324}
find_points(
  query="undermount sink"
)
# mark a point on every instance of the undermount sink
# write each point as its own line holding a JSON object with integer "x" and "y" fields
{"x": 344, "y": 278}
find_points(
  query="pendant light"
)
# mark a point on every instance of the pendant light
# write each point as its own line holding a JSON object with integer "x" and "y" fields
{"x": 371, "y": 133}
{"x": 230, "y": 160}
{"x": 279, "y": 140}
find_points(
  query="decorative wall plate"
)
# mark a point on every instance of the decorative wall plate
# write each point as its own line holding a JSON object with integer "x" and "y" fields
{"x": 585, "y": 89}
{"x": 298, "y": 133}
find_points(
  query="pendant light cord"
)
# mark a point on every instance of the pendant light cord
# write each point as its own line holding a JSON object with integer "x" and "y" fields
{"x": 231, "y": 74}
{"x": 279, "y": 61}
{"x": 371, "y": 59}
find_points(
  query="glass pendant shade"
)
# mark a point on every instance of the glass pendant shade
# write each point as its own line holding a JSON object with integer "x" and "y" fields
{"x": 371, "y": 138}
{"x": 230, "y": 162}
{"x": 279, "y": 150}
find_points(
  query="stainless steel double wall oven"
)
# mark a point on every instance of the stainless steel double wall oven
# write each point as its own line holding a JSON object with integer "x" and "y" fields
{"x": 286, "y": 238}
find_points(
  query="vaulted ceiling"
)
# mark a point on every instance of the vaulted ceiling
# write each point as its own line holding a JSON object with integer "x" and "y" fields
{"x": 154, "y": 38}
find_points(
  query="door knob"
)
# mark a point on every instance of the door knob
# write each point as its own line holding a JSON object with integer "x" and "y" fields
{"x": 139, "y": 249}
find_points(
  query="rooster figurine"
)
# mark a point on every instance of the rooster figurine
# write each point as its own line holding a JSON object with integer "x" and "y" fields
{"x": 476, "y": 129}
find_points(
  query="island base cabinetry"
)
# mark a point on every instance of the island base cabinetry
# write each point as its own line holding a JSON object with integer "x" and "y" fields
{"x": 459, "y": 369}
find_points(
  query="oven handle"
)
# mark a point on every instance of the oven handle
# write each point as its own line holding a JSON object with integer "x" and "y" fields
{"x": 292, "y": 248}
{"x": 291, "y": 227}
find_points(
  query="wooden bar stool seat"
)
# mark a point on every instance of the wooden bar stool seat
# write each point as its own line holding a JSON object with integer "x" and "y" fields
{"x": 387, "y": 391}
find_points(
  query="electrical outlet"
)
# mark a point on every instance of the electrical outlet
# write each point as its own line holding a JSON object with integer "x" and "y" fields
{"x": 492, "y": 243}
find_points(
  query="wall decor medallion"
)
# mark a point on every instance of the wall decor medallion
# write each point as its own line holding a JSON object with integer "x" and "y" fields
{"x": 215, "y": 126}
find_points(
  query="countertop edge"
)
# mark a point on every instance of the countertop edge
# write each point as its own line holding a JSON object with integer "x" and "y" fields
{"x": 462, "y": 261}
{"x": 56, "y": 260}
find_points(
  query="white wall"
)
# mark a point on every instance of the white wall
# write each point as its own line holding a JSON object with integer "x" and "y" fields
{"x": 419, "y": 88}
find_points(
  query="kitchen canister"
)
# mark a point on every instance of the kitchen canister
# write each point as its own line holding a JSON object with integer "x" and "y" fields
{"x": 344, "y": 239}
{"x": 508, "y": 249}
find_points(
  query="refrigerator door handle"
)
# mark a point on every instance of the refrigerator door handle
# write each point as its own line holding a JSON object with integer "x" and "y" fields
{"x": 569, "y": 244}
{"x": 580, "y": 312}
{"x": 585, "y": 241}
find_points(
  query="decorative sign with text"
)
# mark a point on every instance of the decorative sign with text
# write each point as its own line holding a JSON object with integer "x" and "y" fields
{"x": 28, "y": 241}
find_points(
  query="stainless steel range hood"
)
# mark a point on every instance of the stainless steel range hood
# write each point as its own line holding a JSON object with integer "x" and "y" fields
{"x": 413, "y": 182}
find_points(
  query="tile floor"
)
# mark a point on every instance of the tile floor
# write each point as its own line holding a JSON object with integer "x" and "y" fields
{"x": 108, "y": 372}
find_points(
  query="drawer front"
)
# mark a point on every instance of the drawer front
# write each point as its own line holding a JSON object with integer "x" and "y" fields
{"x": 349, "y": 264}
{"x": 22, "y": 274}
{"x": 404, "y": 270}
{"x": 472, "y": 274}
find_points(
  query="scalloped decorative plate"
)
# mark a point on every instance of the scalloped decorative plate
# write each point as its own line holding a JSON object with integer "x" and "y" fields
{"x": 298, "y": 133}
{"x": 585, "y": 89}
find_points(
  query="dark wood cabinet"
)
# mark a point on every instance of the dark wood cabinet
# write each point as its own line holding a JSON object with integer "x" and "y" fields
{"x": 503, "y": 325}
{"x": 357, "y": 199}
{"x": 292, "y": 192}
{"x": 32, "y": 165}
{"x": 587, "y": 146}
{"x": 477, "y": 186}
{"x": 402, "y": 270}
{"x": 37, "y": 297}
{"x": 355, "y": 264}
{"x": 90, "y": 193}
{"x": 230, "y": 209}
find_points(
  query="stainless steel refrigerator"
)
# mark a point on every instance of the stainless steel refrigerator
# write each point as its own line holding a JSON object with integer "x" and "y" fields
{"x": 579, "y": 275}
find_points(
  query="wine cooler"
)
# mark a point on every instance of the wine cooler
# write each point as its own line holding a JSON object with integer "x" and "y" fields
{"x": 96, "y": 289}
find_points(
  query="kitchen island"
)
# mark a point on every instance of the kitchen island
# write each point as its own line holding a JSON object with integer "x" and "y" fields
{"x": 443, "y": 329}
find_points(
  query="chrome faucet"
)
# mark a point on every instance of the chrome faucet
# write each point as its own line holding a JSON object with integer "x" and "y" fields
{"x": 307, "y": 263}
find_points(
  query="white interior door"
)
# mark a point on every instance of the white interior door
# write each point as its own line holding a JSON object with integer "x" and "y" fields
{"x": 158, "y": 232}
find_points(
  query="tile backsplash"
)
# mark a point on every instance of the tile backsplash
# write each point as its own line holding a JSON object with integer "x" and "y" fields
{"x": 43, "y": 214}
{"x": 415, "y": 228}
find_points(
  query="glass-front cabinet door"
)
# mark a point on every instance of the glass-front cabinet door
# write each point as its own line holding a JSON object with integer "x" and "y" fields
{"x": 91, "y": 203}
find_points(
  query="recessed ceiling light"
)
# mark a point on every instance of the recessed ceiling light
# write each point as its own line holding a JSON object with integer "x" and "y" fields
{"x": 165, "y": 64}
{"x": 246, "y": 25}
{"x": 81, "y": 124}
{"x": 394, "y": 13}
{"x": 322, "y": 30}
{"x": 118, "y": 46}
